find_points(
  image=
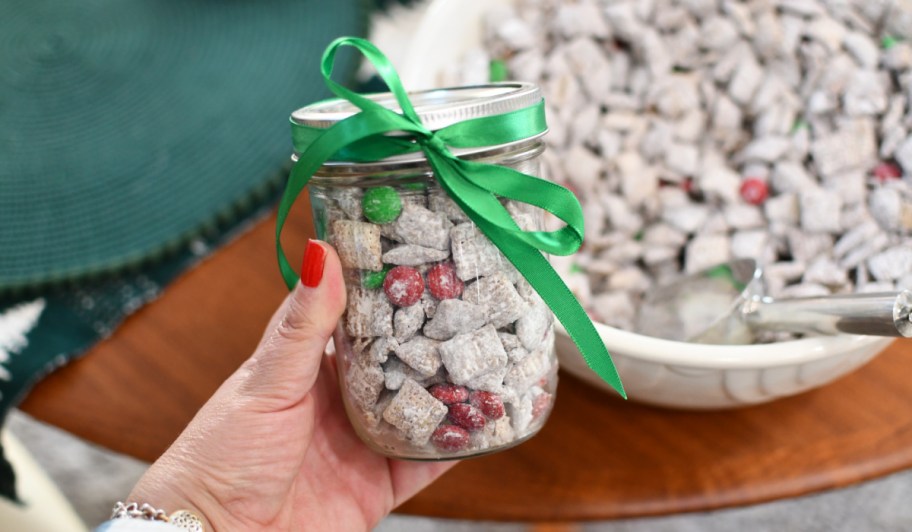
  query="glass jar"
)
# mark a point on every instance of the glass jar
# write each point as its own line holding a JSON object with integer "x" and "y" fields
{"x": 444, "y": 351}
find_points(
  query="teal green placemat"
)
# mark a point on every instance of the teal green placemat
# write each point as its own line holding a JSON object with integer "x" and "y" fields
{"x": 135, "y": 136}
{"x": 129, "y": 127}
{"x": 44, "y": 331}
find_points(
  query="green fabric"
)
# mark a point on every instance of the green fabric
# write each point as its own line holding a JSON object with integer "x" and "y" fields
{"x": 109, "y": 161}
{"x": 474, "y": 186}
{"x": 129, "y": 127}
{"x": 70, "y": 321}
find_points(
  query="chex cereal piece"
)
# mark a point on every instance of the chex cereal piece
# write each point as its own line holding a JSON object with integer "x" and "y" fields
{"x": 440, "y": 201}
{"x": 329, "y": 209}
{"x": 429, "y": 304}
{"x": 365, "y": 382}
{"x": 494, "y": 434}
{"x": 358, "y": 345}
{"x": 493, "y": 381}
{"x": 473, "y": 254}
{"x": 503, "y": 304}
{"x": 369, "y": 313}
{"x": 381, "y": 348}
{"x": 453, "y": 317}
{"x": 523, "y": 374}
{"x": 395, "y": 373}
{"x": 421, "y": 354}
{"x": 509, "y": 341}
{"x": 437, "y": 378}
{"x": 470, "y": 355}
{"x": 389, "y": 231}
{"x": 374, "y": 416}
{"x": 412, "y": 255}
{"x": 520, "y": 414}
{"x": 358, "y": 244}
{"x": 892, "y": 263}
{"x": 533, "y": 325}
{"x": 817, "y": 211}
{"x": 515, "y": 355}
{"x": 419, "y": 226}
{"x": 349, "y": 200}
{"x": 415, "y": 412}
{"x": 414, "y": 197}
{"x": 407, "y": 321}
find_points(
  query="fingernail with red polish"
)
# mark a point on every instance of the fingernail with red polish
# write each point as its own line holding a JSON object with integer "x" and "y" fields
{"x": 312, "y": 268}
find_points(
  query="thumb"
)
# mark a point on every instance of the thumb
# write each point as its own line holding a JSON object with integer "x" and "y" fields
{"x": 287, "y": 361}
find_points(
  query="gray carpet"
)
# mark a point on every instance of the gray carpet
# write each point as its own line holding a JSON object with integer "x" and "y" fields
{"x": 93, "y": 479}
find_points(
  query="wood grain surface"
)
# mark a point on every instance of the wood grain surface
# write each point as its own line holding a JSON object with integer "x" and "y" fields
{"x": 597, "y": 458}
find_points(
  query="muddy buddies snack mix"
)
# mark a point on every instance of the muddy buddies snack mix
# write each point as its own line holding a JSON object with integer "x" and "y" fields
{"x": 697, "y": 131}
{"x": 444, "y": 350}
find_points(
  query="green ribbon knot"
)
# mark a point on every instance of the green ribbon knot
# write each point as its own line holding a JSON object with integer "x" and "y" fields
{"x": 377, "y": 132}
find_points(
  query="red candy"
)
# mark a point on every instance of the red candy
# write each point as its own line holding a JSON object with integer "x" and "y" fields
{"x": 887, "y": 171}
{"x": 467, "y": 416}
{"x": 450, "y": 438}
{"x": 449, "y": 394}
{"x": 489, "y": 403}
{"x": 403, "y": 286}
{"x": 443, "y": 283}
{"x": 540, "y": 404}
{"x": 688, "y": 185}
{"x": 754, "y": 191}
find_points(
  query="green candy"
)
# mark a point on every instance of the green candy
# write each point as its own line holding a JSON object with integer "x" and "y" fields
{"x": 497, "y": 71}
{"x": 372, "y": 280}
{"x": 381, "y": 204}
{"x": 888, "y": 42}
{"x": 799, "y": 124}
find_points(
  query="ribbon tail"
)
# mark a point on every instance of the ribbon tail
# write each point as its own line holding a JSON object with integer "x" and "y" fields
{"x": 541, "y": 275}
{"x": 296, "y": 182}
{"x": 530, "y": 262}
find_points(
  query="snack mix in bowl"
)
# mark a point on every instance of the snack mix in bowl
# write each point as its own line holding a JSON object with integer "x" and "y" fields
{"x": 697, "y": 131}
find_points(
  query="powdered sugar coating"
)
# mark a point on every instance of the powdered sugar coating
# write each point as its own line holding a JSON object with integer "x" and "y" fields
{"x": 425, "y": 340}
{"x": 701, "y": 131}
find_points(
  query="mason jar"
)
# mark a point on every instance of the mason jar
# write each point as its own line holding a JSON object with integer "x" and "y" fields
{"x": 444, "y": 351}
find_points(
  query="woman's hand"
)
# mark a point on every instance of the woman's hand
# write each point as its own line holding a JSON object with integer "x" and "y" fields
{"x": 273, "y": 449}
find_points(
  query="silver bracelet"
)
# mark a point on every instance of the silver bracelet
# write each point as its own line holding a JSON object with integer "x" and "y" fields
{"x": 182, "y": 519}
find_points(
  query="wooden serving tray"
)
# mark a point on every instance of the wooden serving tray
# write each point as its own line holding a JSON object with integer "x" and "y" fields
{"x": 597, "y": 458}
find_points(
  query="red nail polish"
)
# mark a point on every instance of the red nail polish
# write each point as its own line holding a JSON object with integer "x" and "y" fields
{"x": 312, "y": 268}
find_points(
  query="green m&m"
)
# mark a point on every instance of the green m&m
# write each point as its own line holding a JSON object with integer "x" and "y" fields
{"x": 374, "y": 280}
{"x": 381, "y": 205}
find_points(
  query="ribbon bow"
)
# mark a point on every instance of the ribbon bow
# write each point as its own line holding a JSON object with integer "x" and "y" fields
{"x": 475, "y": 187}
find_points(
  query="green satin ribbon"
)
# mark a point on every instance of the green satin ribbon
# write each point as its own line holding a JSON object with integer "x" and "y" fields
{"x": 475, "y": 187}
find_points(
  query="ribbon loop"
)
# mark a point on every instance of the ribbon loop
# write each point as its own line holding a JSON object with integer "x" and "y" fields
{"x": 377, "y": 132}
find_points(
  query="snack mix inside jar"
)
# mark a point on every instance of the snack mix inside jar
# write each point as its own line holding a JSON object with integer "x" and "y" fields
{"x": 444, "y": 351}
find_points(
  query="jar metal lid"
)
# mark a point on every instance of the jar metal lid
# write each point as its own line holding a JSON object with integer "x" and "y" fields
{"x": 437, "y": 108}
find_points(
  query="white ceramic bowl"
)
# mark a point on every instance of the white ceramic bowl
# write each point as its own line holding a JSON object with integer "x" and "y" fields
{"x": 655, "y": 371}
{"x": 694, "y": 376}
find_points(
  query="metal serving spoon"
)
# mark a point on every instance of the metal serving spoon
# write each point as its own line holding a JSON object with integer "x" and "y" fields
{"x": 727, "y": 304}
